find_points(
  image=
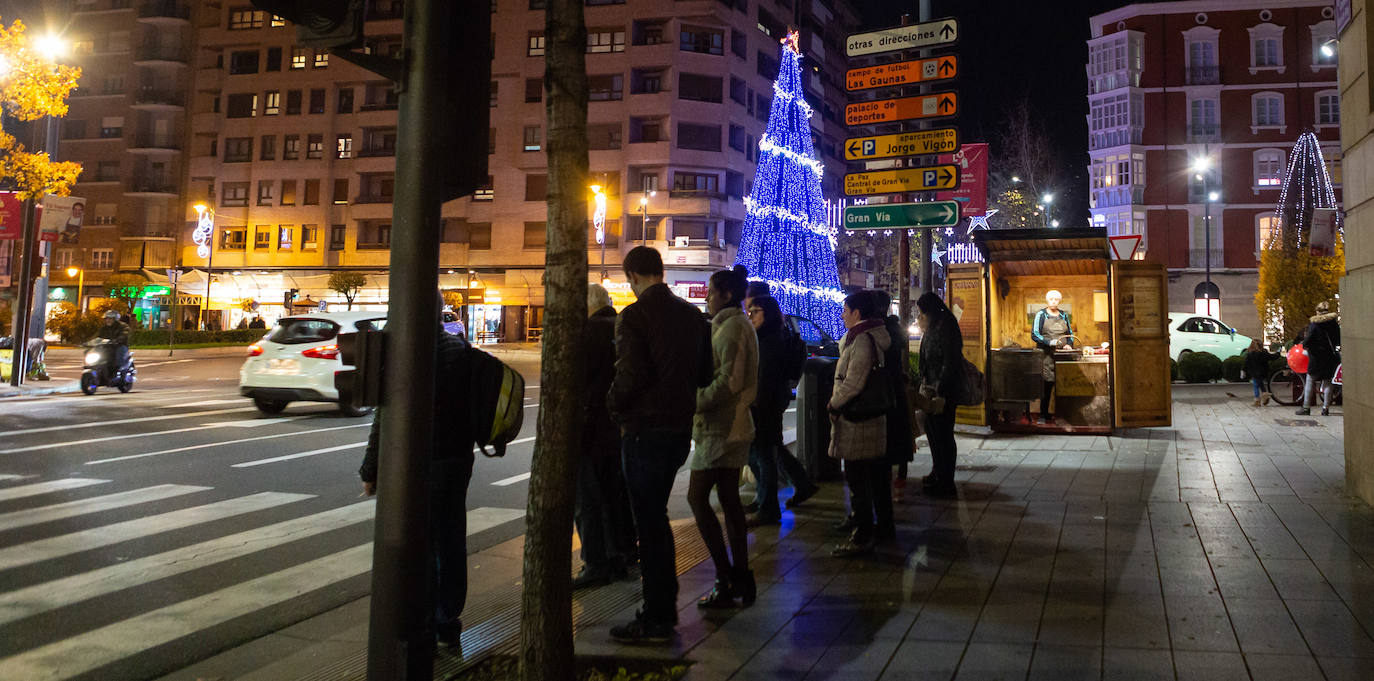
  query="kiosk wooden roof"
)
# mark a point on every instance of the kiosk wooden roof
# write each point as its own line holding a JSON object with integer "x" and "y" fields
{"x": 1059, "y": 252}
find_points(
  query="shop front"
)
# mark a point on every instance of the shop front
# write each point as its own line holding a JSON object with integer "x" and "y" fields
{"x": 1070, "y": 340}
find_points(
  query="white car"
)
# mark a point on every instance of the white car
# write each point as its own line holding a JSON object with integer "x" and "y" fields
{"x": 297, "y": 360}
{"x": 1203, "y": 333}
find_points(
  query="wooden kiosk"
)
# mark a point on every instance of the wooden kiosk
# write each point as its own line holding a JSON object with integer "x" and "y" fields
{"x": 1116, "y": 376}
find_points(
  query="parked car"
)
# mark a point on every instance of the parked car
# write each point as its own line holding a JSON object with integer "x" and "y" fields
{"x": 1203, "y": 333}
{"x": 818, "y": 342}
{"x": 297, "y": 359}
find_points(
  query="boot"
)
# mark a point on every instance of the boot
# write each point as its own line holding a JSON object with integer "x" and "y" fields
{"x": 1256, "y": 403}
{"x": 1264, "y": 399}
{"x": 721, "y": 596}
{"x": 745, "y": 587}
{"x": 1304, "y": 411}
{"x": 899, "y": 489}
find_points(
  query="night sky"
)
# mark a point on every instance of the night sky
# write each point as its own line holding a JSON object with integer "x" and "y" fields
{"x": 1010, "y": 49}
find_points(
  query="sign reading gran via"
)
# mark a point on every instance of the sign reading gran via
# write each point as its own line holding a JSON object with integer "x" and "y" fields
{"x": 902, "y": 215}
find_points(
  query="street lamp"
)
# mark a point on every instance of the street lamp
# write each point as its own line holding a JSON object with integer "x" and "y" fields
{"x": 1047, "y": 199}
{"x": 204, "y": 236}
{"x": 80, "y": 274}
{"x": 644, "y": 216}
{"x": 599, "y": 221}
{"x": 1054, "y": 223}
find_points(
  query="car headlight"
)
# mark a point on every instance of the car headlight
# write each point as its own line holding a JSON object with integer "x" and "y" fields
{"x": 92, "y": 357}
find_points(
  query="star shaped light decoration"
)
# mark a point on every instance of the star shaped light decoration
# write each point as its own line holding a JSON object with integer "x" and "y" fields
{"x": 976, "y": 221}
{"x": 791, "y": 41}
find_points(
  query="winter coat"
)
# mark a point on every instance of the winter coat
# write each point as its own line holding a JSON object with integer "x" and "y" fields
{"x": 1257, "y": 364}
{"x": 940, "y": 363}
{"x": 775, "y": 390}
{"x": 1321, "y": 338}
{"x": 600, "y": 436}
{"x": 901, "y": 446}
{"x": 662, "y": 355}
{"x": 850, "y": 440}
{"x": 722, "y": 428}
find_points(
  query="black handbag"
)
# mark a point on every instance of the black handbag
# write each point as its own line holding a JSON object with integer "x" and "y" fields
{"x": 877, "y": 397}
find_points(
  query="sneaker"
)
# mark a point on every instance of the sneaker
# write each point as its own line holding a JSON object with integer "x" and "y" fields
{"x": 449, "y": 636}
{"x": 641, "y": 632}
{"x": 853, "y": 548}
{"x": 1326, "y": 412}
{"x": 721, "y": 596}
{"x": 801, "y": 495}
{"x": 1303, "y": 412}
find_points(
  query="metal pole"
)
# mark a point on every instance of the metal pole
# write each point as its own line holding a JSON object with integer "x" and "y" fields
{"x": 39, "y": 292}
{"x": 81, "y": 286}
{"x": 1207, "y": 231}
{"x": 399, "y": 648}
{"x": 21, "y": 317}
{"x": 904, "y": 301}
{"x": 603, "y": 254}
{"x": 209, "y": 275}
{"x": 644, "y": 221}
{"x": 172, "y": 318}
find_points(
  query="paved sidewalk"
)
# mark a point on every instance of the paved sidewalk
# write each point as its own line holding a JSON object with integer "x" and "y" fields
{"x": 1221, "y": 548}
{"x": 33, "y": 388}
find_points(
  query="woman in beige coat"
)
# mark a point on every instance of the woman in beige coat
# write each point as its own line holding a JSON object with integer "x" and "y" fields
{"x": 722, "y": 432}
{"x": 862, "y": 445}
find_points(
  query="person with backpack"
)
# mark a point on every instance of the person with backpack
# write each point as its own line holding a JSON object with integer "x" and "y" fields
{"x": 940, "y": 366}
{"x": 663, "y": 354}
{"x": 901, "y": 444}
{"x": 1321, "y": 340}
{"x": 602, "y": 508}
{"x": 778, "y": 367}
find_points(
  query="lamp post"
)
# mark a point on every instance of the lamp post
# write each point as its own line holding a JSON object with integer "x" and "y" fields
{"x": 1202, "y": 166}
{"x": 644, "y": 216}
{"x": 204, "y": 236}
{"x": 80, "y": 274}
{"x": 599, "y": 221}
{"x": 1046, "y": 200}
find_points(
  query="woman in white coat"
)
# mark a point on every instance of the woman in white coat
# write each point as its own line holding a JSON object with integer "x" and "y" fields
{"x": 860, "y": 442}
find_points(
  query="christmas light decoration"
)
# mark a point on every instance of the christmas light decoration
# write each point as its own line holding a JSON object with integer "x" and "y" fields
{"x": 788, "y": 238}
{"x": 977, "y": 221}
{"x": 1306, "y": 189}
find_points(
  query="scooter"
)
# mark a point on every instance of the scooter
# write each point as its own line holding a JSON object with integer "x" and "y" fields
{"x": 99, "y": 369}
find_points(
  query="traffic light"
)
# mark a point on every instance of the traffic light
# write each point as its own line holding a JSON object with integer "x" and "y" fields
{"x": 321, "y": 23}
{"x": 288, "y": 298}
{"x": 467, "y": 114}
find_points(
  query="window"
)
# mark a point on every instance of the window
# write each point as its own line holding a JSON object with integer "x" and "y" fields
{"x": 737, "y": 141}
{"x": 242, "y": 106}
{"x": 243, "y": 62}
{"x": 238, "y": 149}
{"x": 768, "y": 24}
{"x": 291, "y": 148}
{"x": 647, "y": 130}
{"x": 536, "y": 45}
{"x": 243, "y": 18}
{"x": 379, "y": 142}
{"x": 312, "y": 193}
{"x": 1266, "y": 228}
{"x": 277, "y": 22}
{"x": 262, "y": 237}
{"x": 479, "y": 236}
{"x": 704, "y": 40}
{"x": 1328, "y": 107}
{"x": 698, "y": 137}
{"x": 298, "y": 55}
{"x": 102, "y": 258}
{"x": 739, "y": 94}
{"x": 485, "y": 192}
{"x": 767, "y": 66}
{"x": 285, "y": 237}
{"x": 343, "y": 146}
{"x": 491, "y": 140}
{"x": 317, "y": 101}
{"x": 374, "y": 235}
{"x": 646, "y": 179}
{"x": 601, "y": 136}
{"x": 605, "y": 40}
{"x": 63, "y": 259}
{"x": 700, "y": 230}
{"x": 739, "y": 44}
{"x": 1266, "y": 48}
{"x": 73, "y": 129}
{"x": 1266, "y": 52}
{"x": 699, "y": 88}
{"x": 340, "y": 191}
{"x": 233, "y": 239}
{"x": 536, "y": 187}
{"x": 107, "y": 171}
{"x": 1202, "y": 56}
{"x": 1267, "y": 110}
{"x": 336, "y": 237}
{"x": 273, "y": 59}
{"x": 531, "y": 138}
{"x": 310, "y": 237}
{"x": 314, "y": 146}
{"x": 536, "y": 235}
{"x": 695, "y": 182}
{"x": 233, "y": 194}
{"x": 265, "y": 188}
{"x": 646, "y": 81}
{"x": 649, "y": 32}
{"x": 1322, "y": 33}
{"x": 380, "y": 96}
{"x": 1268, "y": 167}
{"x": 271, "y": 103}
{"x": 345, "y": 100}
{"x": 293, "y": 102}
{"x": 534, "y": 90}
{"x": 606, "y": 87}
{"x": 321, "y": 59}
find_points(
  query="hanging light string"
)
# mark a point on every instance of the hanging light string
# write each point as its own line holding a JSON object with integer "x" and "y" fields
{"x": 753, "y": 207}
{"x": 767, "y": 145}
{"x": 1307, "y": 170}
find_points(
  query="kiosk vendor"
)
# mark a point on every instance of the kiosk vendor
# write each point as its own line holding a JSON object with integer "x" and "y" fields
{"x": 1051, "y": 331}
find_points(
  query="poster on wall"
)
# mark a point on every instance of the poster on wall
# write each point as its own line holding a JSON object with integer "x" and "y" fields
{"x": 6, "y": 262}
{"x": 11, "y": 216}
{"x": 61, "y": 218}
{"x": 972, "y": 193}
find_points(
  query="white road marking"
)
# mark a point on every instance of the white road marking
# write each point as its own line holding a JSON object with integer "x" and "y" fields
{"x": 85, "y": 540}
{"x": 47, "y": 487}
{"x": 256, "y": 423}
{"x": 39, "y": 598}
{"x": 140, "y": 419}
{"x": 224, "y": 443}
{"x": 506, "y": 482}
{"x": 34, "y": 516}
{"x": 249, "y": 423}
{"x": 13, "y": 476}
{"x": 485, "y": 518}
{"x": 299, "y": 455}
{"x": 203, "y": 403}
{"x": 158, "y": 364}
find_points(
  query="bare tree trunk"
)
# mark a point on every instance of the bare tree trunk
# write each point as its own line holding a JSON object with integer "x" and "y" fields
{"x": 546, "y": 612}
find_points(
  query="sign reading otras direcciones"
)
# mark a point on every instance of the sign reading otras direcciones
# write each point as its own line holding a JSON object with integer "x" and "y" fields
{"x": 929, "y": 34}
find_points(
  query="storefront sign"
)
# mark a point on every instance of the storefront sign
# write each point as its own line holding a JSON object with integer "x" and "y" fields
{"x": 972, "y": 194}
{"x": 61, "y": 218}
{"x": 11, "y": 216}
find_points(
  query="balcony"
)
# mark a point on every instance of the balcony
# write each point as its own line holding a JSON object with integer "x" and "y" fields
{"x": 1204, "y": 132}
{"x": 1204, "y": 75}
{"x": 164, "y": 12}
{"x": 376, "y": 151}
{"x": 154, "y": 144}
{"x": 103, "y": 6}
{"x": 1115, "y": 137}
{"x": 373, "y": 198}
{"x": 151, "y": 54}
{"x": 1197, "y": 257}
{"x": 150, "y": 184}
{"x": 153, "y": 97}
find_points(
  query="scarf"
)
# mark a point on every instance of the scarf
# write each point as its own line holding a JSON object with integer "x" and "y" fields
{"x": 861, "y": 327}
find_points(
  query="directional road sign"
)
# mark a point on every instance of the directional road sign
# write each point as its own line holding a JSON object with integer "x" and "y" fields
{"x": 929, "y": 34}
{"x": 905, "y": 180}
{"x": 902, "y": 73}
{"x": 902, "y": 215}
{"x": 937, "y": 141}
{"x": 902, "y": 109}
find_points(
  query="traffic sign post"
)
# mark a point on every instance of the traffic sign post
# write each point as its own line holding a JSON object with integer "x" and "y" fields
{"x": 929, "y": 214}
{"x": 929, "y": 178}
{"x": 902, "y": 73}
{"x": 937, "y": 141}
{"x": 902, "y": 109}
{"x": 928, "y": 34}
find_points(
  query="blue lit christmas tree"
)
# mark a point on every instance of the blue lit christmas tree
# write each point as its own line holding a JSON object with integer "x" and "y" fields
{"x": 787, "y": 239}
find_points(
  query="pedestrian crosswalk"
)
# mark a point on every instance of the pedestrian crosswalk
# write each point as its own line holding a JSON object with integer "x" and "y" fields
{"x": 261, "y": 551}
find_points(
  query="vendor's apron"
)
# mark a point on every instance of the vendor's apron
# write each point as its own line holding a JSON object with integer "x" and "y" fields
{"x": 1053, "y": 329}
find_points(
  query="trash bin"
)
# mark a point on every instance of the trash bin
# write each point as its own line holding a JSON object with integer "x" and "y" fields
{"x": 813, "y": 423}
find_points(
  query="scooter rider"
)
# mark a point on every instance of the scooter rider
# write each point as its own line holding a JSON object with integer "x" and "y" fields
{"x": 117, "y": 332}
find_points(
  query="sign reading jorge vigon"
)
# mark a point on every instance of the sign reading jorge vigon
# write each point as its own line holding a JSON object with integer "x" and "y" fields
{"x": 928, "y": 34}
{"x": 937, "y": 141}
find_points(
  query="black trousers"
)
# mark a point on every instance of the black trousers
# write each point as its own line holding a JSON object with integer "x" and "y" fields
{"x": 943, "y": 450}
{"x": 870, "y": 494}
{"x": 602, "y": 513}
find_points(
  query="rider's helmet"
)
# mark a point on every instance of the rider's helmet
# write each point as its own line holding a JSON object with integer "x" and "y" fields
{"x": 111, "y": 314}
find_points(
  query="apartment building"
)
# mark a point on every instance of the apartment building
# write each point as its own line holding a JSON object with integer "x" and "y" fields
{"x": 295, "y": 150}
{"x": 1231, "y": 81}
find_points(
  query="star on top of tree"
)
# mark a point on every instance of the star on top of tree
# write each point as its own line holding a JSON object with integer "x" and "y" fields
{"x": 791, "y": 40}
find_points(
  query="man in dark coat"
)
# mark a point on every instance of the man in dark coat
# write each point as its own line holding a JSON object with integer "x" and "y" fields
{"x": 602, "y": 514}
{"x": 1321, "y": 340}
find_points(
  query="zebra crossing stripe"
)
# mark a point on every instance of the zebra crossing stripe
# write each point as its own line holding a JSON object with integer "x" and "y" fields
{"x": 39, "y": 598}
{"x": 298, "y": 455}
{"x": 46, "y": 487}
{"x": 43, "y": 514}
{"x": 12, "y": 476}
{"x": 76, "y": 542}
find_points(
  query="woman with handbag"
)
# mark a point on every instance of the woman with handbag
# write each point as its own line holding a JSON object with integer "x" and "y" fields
{"x": 941, "y": 368}
{"x": 858, "y": 413}
{"x": 1322, "y": 340}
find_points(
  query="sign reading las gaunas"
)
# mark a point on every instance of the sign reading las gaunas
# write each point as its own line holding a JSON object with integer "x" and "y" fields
{"x": 904, "y": 180}
{"x": 902, "y": 73}
{"x": 937, "y": 141}
{"x": 929, "y": 34}
{"x": 902, "y": 109}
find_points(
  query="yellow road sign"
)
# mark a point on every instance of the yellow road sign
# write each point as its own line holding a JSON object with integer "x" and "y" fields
{"x": 929, "y": 178}
{"x": 902, "y": 109}
{"x": 902, "y": 73}
{"x": 938, "y": 141}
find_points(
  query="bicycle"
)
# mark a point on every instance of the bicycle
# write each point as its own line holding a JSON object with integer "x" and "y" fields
{"x": 1286, "y": 386}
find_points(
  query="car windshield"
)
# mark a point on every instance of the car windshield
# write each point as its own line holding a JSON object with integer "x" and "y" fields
{"x": 293, "y": 331}
{"x": 807, "y": 329}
